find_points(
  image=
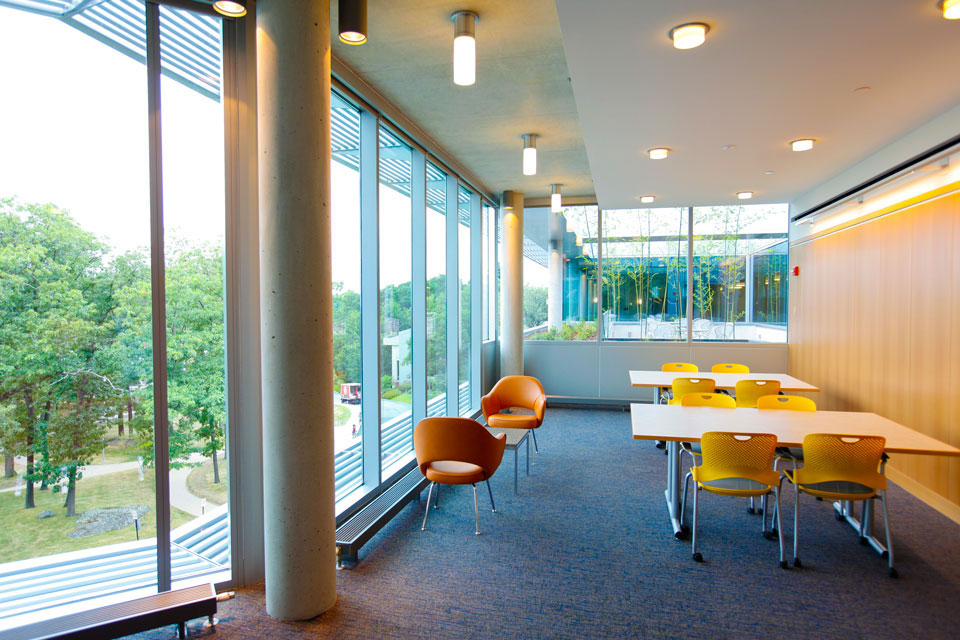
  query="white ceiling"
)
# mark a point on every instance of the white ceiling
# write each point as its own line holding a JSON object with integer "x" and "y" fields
{"x": 770, "y": 71}
{"x": 522, "y": 87}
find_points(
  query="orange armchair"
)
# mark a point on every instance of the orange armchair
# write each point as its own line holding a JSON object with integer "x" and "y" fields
{"x": 511, "y": 392}
{"x": 457, "y": 451}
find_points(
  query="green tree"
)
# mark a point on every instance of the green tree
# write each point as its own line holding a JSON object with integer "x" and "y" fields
{"x": 534, "y": 306}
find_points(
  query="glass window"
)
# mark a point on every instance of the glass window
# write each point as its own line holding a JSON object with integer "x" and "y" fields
{"x": 536, "y": 271}
{"x": 193, "y": 213}
{"x": 436, "y": 291}
{"x": 645, "y": 274}
{"x": 463, "y": 268}
{"x": 569, "y": 298}
{"x": 76, "y": 357}
{"x": 739, "y": 278}
{"x": 396, "y": 383}
{"x": 489, "y": 267}
{"x": 345, "y": 262}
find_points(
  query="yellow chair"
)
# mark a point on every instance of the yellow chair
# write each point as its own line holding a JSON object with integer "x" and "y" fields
{"x": 729, "y": 367}
{"x": 842, "y": 467}
{"x": 683, "y": 386}
{"x": 457, "y": 451}
{"x": 748, "y": 391}
{"x": 718, "y": 400}
{"x": 786, "y": 403}
{"x": 675, "y": 367}
{"x": 737, "y": 465}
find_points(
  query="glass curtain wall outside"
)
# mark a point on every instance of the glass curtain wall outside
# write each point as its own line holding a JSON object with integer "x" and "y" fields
{"x": 76, "y": 357}
{"x": 489, "y": 261}
{"x": 345, "y": 245}
{"x": 733, "y": 247}
{"x": 194, "y": 231}
{"x": 645, "y": 274}
{"x": 463, "y": 333}
{"x": 436, "y": 291}
{"x": 536, "y": 271}
{"x": 570, "y": 239}
{"x": 396, "y": 382}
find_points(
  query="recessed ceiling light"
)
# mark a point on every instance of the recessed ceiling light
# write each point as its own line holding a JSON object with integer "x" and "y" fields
{"x": 230, "y": 9}
{"x": 803, "y": 144}
{"x": 744, "y": 195}
{"x": 689, "y": 35}
{"x": 951, "y": 9}
{"x": 728, "y": 147}
{"x": 768, "y": 172}
{"x": 647, "y": 199}
{"x": 658, "y": 153}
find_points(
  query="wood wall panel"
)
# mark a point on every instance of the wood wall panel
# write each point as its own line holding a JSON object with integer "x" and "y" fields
{"x": 875, "y": 323}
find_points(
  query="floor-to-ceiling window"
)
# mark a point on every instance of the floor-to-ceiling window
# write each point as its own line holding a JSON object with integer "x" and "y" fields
{"x": 436, "y": 291}
{"x": 463, "y": 278}
{"x": 489, "y": 269}
{"x": 345, "y": 274}
{"x": 92, "y": 298}
{"x": 396, "y": 380}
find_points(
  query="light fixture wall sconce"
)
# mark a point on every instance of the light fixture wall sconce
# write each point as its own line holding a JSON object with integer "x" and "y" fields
{"x": 529, "y": 154}
{"x": 230, "y": 8}
{"x": 658, "y": 153}
{"x": 803, "y": 144}
{"x": 689, "y": 35}
{"x": 951, "y": 9}
{"x": 464, "y": 47}
{"x": 744, "y": 195}
{"x": 647, "y": 199}
{"x": 555, "y": 205}
{"x": 352, "y": 21}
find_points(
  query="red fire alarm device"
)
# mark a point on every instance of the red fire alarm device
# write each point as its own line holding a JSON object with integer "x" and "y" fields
{"x": 796, "y": 271}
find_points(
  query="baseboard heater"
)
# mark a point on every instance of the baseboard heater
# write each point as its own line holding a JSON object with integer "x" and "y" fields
{"x": 363, "y": 525}
{"x": 124, "y": 618}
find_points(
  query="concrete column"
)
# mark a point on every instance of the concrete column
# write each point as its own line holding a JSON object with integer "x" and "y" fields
{"x": 293, "y": 93}
{"x": 511, "y": 285}
{"x": 555, "y": 291}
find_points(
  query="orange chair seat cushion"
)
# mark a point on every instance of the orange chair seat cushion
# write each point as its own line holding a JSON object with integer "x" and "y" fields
{"x": 454, "y": 472}
{"x": 512, "y": 421}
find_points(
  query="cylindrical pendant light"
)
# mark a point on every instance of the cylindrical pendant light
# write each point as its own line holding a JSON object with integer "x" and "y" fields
{"x": 352, "y": 21}
{"x": 230, "y": 8}
{"x": 464, "y": 47}
{"x": 555, "y": 198}
{"x": 529, "y": 154}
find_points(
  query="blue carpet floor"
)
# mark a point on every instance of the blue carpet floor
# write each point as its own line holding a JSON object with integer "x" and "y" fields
{"x": 585, "y": 551}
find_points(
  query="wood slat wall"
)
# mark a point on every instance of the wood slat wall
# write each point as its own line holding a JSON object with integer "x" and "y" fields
{"x": 875, "y": 322}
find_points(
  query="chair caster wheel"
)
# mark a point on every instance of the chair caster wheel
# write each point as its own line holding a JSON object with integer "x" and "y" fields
{"x": 819, "y": 499}
{"x": 661, "y": 444}
{"x": 885, "y": 555}
{"x": 769, "y": 535}
{"x": 783, "y": 564}
{"x": 838, "y": 516}
{"x": 751, "y": 510}
{"x": 698, "y": 557}
{"x": 863, "y": 542}
{"x": 797, "y": 563}
{"x": 893, "y": 573}
{"x": 680, "y": 535}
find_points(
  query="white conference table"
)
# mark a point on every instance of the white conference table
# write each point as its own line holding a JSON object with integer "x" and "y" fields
{"x": 676, "y": 424}
{"x": 722, "y": 380}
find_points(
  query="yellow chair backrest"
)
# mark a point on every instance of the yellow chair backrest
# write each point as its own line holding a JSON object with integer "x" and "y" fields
{"x": 831, "y": 457}
{"x": 729, "y": 367}
{"x": 749, "y": 390}
{"x": 737, "y": 455}
{"x": 786, "y": 403}
{"x": 683, "y": 386}
{"x": 719, "y": 400}
{"x": 680, "y": 367}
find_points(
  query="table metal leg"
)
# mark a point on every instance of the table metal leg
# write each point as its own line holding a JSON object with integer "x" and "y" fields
{"x": 528, "y": 454}
{"x": 672, "y": 493}
{"x": 845, "y": 512}
{"x": 515, "y": 473}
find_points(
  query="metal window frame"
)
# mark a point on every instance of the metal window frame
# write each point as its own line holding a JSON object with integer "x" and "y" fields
{"x": 452, "y": 206}
{"x": 476, "y": 299}
{"x": 418, "y": 284}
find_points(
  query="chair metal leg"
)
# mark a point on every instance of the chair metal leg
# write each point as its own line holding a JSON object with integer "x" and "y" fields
{"x": 796, "y": 515}
{"x": 886, "y": 526}
{"x": 696, "y": 492}
{"x": 476, "y": 508}
{"x": 423, "y": 527}
{"x": 683, "y": 500}
{"x": 490, "y": 491}
{"x": 535, "y": 447}
{"x": 783, "y": 563}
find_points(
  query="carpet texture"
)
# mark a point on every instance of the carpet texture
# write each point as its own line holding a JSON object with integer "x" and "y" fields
{"x": 586, "y": 551}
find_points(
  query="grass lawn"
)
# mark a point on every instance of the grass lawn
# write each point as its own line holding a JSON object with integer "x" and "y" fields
{"x": 200, "y": 483}
{"x": 404, "y": 397}
{"x": 11, "y": 482}
{"x": 340, "y": 415}
{"x": 22, "y": 535}
{"x": 120, "y": 450}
